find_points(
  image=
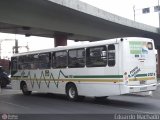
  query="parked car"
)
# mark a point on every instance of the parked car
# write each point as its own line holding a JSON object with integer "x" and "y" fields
{"x": 4, "y": 79}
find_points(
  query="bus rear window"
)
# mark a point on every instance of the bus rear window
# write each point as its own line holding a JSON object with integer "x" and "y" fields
{"x": 150, "y": 46}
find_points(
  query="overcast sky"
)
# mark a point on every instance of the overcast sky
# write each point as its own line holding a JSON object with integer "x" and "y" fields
{"x": 122, "y": 8}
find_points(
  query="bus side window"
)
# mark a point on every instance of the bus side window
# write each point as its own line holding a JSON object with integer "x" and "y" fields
{"x": 76, "y": 58}
{"x": 96, "y": 56}
{"x": 111, "y": 55}
{"x": 24, "y": 62}
{"x": 61, "y": 59}
{"x": 35, "y": 61}
{"x": 44, "y": 60}
{"x": 20, "y": 62}
{"x": 53, "y": 60}
{"x": 13, "y": 65}
{"x": 28, "y": 62}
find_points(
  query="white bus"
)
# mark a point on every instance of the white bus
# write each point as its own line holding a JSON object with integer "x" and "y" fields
{"x": 98, "y": 69}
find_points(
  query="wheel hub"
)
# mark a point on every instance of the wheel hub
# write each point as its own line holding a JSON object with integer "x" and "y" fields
{"x": 72, "y": 92}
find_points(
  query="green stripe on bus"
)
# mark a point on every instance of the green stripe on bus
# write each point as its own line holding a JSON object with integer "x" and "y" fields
{"x": 140, "y": 75}
{"x": 99, "y": 76}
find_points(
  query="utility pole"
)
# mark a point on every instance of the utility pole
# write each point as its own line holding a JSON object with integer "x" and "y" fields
{"x": 16, "y": 46}
{"x": 159, "y": 14}
{"x": 134, "y": 13}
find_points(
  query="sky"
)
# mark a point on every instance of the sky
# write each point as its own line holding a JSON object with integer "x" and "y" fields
{"x": 123, "y": 8}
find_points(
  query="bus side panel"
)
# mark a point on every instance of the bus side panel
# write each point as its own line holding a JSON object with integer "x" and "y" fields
{"x": 98, "y": 89}
{"x": 109, "y": 87}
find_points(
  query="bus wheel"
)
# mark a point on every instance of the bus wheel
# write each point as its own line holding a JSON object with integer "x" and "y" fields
{"x": 71, "y": 92}
{"x": 25, "y": 89}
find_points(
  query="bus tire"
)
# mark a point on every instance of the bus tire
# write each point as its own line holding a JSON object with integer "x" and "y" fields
{"x": 24, "y": 89}
{"x": 71, "y": 92}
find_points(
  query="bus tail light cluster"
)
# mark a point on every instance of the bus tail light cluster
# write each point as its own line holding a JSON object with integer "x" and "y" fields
{"x": 126, "y": 77}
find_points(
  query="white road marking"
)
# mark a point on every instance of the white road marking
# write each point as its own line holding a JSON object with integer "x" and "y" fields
{"x": 10, "y": 92}
{"x": 14, "y": 104}
{"x": 137, "y": 111}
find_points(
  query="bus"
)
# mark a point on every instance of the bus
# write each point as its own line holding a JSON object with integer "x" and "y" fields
{"x": 97, "y": 69}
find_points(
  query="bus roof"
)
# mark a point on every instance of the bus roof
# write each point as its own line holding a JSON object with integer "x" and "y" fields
{"x": 90, "y": 44}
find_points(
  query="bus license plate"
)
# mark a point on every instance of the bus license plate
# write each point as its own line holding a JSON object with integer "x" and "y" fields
{"x": 142, "y": 82}
{"x": 143, "y": 88}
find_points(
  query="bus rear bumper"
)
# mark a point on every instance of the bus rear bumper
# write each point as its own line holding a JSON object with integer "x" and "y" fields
{"x": 141, "y": 88}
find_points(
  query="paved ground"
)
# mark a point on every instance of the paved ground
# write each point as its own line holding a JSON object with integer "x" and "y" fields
{"x": 50, "y": 106}
{"x": 156, "y": 94}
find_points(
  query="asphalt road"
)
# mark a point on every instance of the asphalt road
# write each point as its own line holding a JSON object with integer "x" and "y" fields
{"x": 50, "y": 106}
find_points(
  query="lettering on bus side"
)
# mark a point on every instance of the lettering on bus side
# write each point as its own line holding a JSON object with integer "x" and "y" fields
{"x": 46, "y": 72}
{"x": 135, "y": 71}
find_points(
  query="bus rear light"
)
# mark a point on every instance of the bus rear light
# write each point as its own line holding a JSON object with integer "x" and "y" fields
{"x": 125, "y": 76}
{"x": 125, "y": 73}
